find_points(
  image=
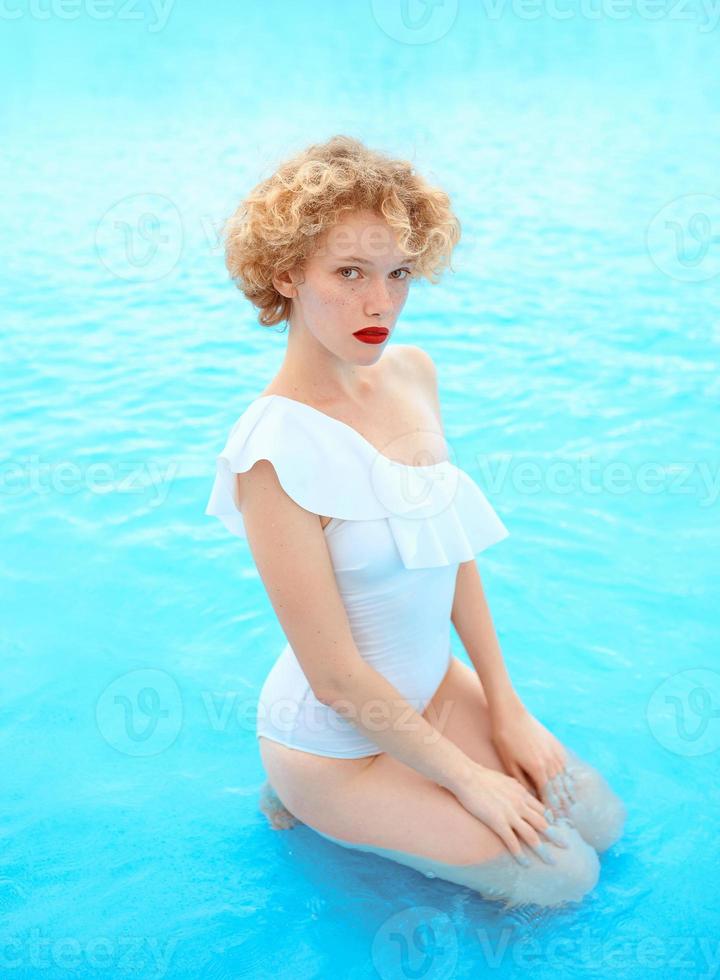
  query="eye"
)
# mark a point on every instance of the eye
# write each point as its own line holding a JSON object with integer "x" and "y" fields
{"x": 352, "y": 268}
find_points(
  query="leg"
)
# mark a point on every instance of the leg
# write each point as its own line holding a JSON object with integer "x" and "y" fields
{"x": 293, "y": 774}
{"x": 272, "y": 806}
{"x": 379, "y": 804}
{"x": 502, "y": 879}
{"x": 598, "y": 814}
{"x": 392, "y": 811}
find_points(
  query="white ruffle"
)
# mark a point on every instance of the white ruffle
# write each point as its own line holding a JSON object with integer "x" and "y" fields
{"x": 437, "y": 514}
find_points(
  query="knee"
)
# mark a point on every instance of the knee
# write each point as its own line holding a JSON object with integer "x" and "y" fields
{"x": 575, "y": 873}
{"x": 598, "y": 813}
{"x": 601, "y": 828}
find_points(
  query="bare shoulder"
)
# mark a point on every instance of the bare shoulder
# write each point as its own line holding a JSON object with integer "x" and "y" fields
{"x": 410, "y": 358}
{"x": 419, "y": 368}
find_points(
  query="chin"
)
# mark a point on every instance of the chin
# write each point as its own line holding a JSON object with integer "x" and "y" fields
{"x": 372, "y": 356}
{"x": 371, "y": 352}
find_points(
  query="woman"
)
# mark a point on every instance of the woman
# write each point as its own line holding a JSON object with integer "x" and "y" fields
{"x": 364, "y": 534}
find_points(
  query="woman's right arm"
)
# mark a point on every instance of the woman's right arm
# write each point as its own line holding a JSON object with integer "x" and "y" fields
{"x": 290, "y": 551}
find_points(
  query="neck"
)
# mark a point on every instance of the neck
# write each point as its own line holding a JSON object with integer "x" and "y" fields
{"x": 312, "y": 370}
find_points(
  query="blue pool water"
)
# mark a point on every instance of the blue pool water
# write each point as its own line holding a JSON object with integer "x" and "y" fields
{"x": 577, "y": 345}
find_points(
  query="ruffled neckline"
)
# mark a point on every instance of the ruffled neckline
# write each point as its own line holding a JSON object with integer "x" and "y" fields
{"x": 346, "y": 427}
{"x": 436, "y": 512}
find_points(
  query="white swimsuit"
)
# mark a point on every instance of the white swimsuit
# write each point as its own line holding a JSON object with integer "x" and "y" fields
{"x": 396, "y": 537}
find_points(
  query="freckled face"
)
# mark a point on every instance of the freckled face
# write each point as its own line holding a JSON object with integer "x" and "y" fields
{"x": 356, "y": 278}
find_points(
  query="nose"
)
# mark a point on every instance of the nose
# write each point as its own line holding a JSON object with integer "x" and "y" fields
{"x": 378, "y": 299}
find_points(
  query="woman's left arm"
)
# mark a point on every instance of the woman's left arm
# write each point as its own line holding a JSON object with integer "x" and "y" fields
{"x": 526, "y": 748}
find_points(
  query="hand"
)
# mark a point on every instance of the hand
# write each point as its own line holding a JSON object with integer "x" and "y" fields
{"x": 500, "y": 801}
{"x": 532, "y": 754}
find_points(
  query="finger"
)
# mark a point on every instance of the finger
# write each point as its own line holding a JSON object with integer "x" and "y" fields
{"x": 560, "y": 805}
{"x": 523, "y": 830}
{"x": 561, "y": 793}
{"x": 536, "y": 784}
{"x": 542, "y": 824}
{"x": 570, "y": 784}
{"x": 540, "y": 779}
{"x": 531, "y": 839}
{"x": 536, "y": 805}
{"x": 554, "y": 835}
{"x": 521, "y": 778}
{"x": 554, "y": 769}
{"x": 565, "y": 790}
{"x": 543, "y": 852}
{"x": 552, "y": 796}
{"x": 514, "y": 847}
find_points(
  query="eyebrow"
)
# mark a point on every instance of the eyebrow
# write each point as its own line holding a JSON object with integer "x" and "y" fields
{"x": 354, "y": 258}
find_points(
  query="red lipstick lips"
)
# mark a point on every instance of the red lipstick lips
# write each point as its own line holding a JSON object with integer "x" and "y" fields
{"x": 372, "y": 335}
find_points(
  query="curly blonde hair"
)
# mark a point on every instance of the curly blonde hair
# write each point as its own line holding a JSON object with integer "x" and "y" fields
{"x": 277, "y": 226}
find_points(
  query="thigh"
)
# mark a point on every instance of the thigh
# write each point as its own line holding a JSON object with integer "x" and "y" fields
{"x": 302, "y": 781}
{"x": 391, "y": 806}
{"x": 380, "y": 801}
{"x": 381, "y": 805}
{"x": 459, "y": 711}
{"x": 390, "y": 809}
